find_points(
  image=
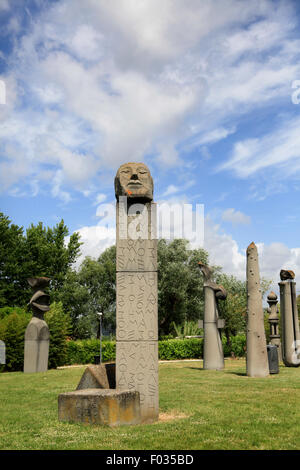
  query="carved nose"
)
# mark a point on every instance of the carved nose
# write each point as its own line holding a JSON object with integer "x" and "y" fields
{"x": 134, "y": 177}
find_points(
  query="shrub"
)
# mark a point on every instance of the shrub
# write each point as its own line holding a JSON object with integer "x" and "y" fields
{"x": 59, "y": 326}
{"x": 83, "y": 351}
{"x": 180, "y": 348}
{"x": 238, "y": 346}
{"x": 12, "y": 332}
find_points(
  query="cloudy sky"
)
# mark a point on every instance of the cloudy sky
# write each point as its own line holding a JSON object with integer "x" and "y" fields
{"x": 204, "y": 92}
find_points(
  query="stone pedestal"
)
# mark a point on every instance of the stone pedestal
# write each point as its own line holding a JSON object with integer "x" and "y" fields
{"x": 137, "y": 320}
{"x": 289, "y": 324}
{"x": 36, "y": 347}
{"x": 96, "y": 406}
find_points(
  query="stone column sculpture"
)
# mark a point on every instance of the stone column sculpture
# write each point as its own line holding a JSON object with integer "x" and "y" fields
{"x": 274, "y": 322}
{"x": 256, "y": 357}
{"x": 213, "y": 356}
{"x": 289, "y": 319}
{"x": 36, "y": 348}
{"x": 137, "y": 320}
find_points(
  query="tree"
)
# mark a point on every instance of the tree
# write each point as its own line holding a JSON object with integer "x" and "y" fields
{"x": 180, "y": 283}
{"x": 234, "y": 308}
{"x": 90, "y": 290}
{"x": 39, "y": 252}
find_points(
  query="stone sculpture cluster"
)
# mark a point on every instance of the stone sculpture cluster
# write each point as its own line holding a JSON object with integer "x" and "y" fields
{"x": 127, "y": 392}
{"x": 36, "y": 348}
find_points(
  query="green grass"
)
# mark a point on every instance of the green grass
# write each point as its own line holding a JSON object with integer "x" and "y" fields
{"x": 220, "y": 409}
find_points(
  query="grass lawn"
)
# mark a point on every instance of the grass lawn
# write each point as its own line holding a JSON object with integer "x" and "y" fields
{"x": 199, "y": 410}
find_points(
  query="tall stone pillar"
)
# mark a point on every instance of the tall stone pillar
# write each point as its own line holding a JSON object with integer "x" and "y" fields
{"x": 136, "y": 303}
{"x": 37, "y": 335}
{"x": 213, "y": 356}
{"x": 274, "y": 323}
{"x": 257, "y": 357}
{"x": 289, "y": 319}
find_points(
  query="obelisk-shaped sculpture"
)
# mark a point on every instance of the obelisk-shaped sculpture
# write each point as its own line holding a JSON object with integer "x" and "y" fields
{"x": 136, "y": 303}
{"x": 37, "y": 335}
{"x": 274, "y": 323}
{"x": 289, "y": 319}
{"x": 256, "y": 357}
{"x": 213, "y": 356}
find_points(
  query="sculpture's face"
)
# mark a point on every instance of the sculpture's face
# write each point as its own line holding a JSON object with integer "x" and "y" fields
{"x": 134, "y": 181}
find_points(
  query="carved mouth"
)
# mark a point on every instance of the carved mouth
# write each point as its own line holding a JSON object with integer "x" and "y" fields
{"x": 134, "y": 183}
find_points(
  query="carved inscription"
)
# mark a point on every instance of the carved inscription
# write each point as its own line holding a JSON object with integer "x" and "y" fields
{"x": 137, "y": 369}
{"x": 137, "y": 255}
{"x": 137, "y": 306}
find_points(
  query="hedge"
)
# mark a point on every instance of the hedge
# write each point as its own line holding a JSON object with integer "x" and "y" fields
{"x": 83, "y": 351}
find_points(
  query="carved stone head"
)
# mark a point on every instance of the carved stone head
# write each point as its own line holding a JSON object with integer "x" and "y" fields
{"x": 134, "y": 181}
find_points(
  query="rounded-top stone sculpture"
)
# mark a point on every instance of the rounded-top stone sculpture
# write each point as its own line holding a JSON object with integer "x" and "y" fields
{"x": 256, "y": 358}
{"x": 37, "y": 335}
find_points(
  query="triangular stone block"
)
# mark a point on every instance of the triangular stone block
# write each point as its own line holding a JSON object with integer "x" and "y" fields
{"x": 98, "y": 376}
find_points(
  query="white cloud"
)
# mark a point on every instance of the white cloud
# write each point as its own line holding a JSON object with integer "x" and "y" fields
{"x": 235, "y": 217}
{"x": 114, "y": 81}
{"x": 280, "y": 149}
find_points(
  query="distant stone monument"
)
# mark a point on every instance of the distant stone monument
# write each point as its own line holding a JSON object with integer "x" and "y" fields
{"x": 256, "y": 357}
{"x": 137, "y": 320}
{"x": 289, "y": 319}
{"x": 274, "y": 322}
{"x": 2, "y": 353}
{"x": 213, "y": 356}
{"x": 37, "y": 335}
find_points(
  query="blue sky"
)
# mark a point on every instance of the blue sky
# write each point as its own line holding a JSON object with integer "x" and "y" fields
{"x": 199, "y": 91}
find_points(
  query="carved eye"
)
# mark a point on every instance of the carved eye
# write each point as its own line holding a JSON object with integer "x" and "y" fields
{"x": 125, "y": 171}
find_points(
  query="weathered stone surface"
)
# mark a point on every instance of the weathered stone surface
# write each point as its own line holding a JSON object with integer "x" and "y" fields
{"x": 37, "y": 335}
{"x": 289, "y": 324}
{"x": 2, "y": 352}
{"x": 136, "y": 237}
{"x": 99, "y": 376}
{"x": 99, "y": 406}
{"x": 137, "y": 306}
{"x": 213, "y": 356}
{"x": 134, "y": 181}
{"x": 274, "y": 323}
{"x": 137, "y": 369}
{"x": 36, "y": 346}
{"x": 137, "y": 322}
{"x": 256, "y": 357}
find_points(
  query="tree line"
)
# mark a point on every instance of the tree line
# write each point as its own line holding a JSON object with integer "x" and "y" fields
{"x": 42, "y": 251}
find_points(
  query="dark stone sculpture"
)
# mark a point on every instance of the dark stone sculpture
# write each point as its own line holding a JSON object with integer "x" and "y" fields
{"x": 274, "y": 322}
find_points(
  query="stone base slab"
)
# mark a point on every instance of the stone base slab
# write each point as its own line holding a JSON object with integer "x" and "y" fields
{"x": 100, "y": 406}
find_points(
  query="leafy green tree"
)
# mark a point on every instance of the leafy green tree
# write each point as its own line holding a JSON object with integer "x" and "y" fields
{"x": 90, "y": 290}
{"x": 234, "y": 308}
{"x": 180, "y": 283}
{"x": 40, "y": 251}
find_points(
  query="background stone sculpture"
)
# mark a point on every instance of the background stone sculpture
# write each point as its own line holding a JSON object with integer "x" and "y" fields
{"x": 37, "y": 335}
{"x": 213, "y": 356}
{"x": 274, "y": 322}
{"x": 137, "y": 319}
{"x": 289, "y": 319}
{"x": 256, "y": 357}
